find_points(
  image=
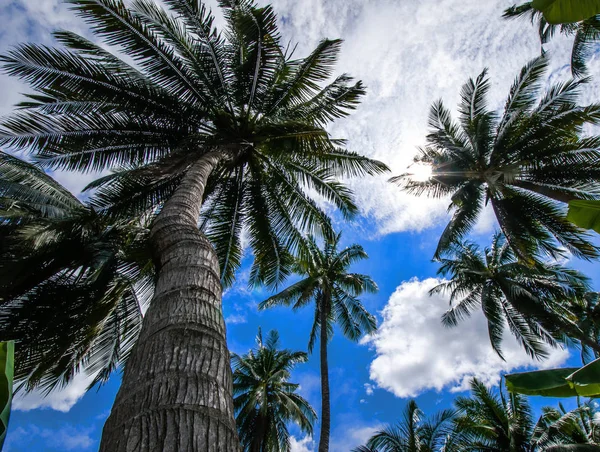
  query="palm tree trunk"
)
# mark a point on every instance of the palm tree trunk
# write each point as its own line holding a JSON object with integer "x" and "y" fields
{"x": 176, "y": 393}
{"x": 325, "y": 403}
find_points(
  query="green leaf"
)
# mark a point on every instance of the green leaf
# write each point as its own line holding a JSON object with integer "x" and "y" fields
{"x": 567, "y": 11}
{"x": 567, "y": 382}
{"x": 7, "y": 353}
{"x": 585, "y": 214}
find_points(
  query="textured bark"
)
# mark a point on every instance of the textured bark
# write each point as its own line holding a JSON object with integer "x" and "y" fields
{"x": 176, "y": 394}
{"x": 325, "y": 403}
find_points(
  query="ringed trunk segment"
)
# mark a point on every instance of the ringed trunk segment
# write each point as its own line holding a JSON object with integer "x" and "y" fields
{"x": 325, "y": 402}
{"x": 176, "y": 393}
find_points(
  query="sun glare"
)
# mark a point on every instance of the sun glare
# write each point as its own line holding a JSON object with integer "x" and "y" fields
{"x": 420, "y": 172}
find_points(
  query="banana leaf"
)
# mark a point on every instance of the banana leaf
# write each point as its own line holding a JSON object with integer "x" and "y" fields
{"x": 7, "y": 354}
{"x": 567, "y": 11}
{"x": 565, "y": 382}
{"x": 585, "y": 214}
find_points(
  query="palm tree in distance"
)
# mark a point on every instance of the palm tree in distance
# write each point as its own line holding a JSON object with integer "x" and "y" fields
{"x": 226, "y": 128}
{"x": 264, "y": 400}
{"x": 493, "y": 422}
{"x": 530, "y": 301}
{"x": 586, "y": 34}
{"x": 72, "y": 283}
{"x": 526, "y": 163}
{"x": 558, "y": 427}
{"x": 334, "y": 290}
{"x": 414, "y": 433}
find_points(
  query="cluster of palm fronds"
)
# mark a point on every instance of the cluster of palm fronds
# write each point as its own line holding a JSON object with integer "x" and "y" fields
{"x": 525, "y": 164}
{"x": 490, "y": 421}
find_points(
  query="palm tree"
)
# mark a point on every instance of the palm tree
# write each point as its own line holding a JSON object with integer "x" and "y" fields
{"x": 413, "y": 433}
{"x": 526, "y": 163}
{"x": 196, "y": 123}
{"x": 586, "y": 314}
{"x": 72, "y": 283}
{"x": 558, "y": 427}
{"x": 586, "y": 33}
{"x": 529, "y": 300}
{"x": 264, "y": 399}
{"x": 492, "y": 422}
{"x": 335, "y": 293}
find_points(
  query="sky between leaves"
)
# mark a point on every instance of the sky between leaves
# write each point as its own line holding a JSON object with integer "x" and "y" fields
{"x": 409, "y": 54}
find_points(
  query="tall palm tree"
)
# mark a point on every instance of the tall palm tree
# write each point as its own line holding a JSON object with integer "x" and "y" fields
{"x": 264, "y": 399}
{"x": 558, "y": 427}
{"x": 586, "y": 33}
{"x": 72, "y": 283}
{"x": 492, "y": 422}
{"x": 196, "y": 123}
{"x": 529, "y": 300}
{"x": 526, "y": 163}
{"x": 413, "y": 433}
{"x": 334, "y": 290}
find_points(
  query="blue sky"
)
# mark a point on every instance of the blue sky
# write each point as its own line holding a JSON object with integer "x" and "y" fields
{"x": 409, "y": 54}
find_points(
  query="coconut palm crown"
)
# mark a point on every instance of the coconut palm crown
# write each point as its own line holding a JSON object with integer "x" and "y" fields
{"x": 526, "y": 163}
{"x": 586, "y": 34}
{"x": 189, "y": 91}
{"x": 264, "y": 399}
{"x": 328, "y": 283}
{"x": 531, "y": 301}
{"x": 72, "y": 283}
{"x": 413, "y": 433}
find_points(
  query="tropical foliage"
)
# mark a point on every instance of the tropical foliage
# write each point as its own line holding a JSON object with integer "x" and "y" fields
{"x": 72, "y": 282}
{"x": 413, "y": 433}
{"x": 193, "y": 90}
{"x": 265, "y": 401}
{"x": 515, "y": 163}
{"x": 530, "y": 300}
{"x": 328, "y": 283}
{"x": 577, "y": 18}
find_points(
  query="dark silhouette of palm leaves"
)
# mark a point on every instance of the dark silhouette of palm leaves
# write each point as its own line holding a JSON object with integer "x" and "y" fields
{"x": 413, "y": 433}
{"x": 326, "y": 272}
{"x": 264, "y": 399}
{"x": 71, "y": 282}
{"x": 558, "y": 427}
{"x": 586, "y": 34}
{"x": 530, "y": 301}
{"x": 493, "y": 422}
{"x": 526, "y": 163}
{"x": 190, "y": 90}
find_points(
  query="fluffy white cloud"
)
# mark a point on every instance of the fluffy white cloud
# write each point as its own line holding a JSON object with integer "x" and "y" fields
{"x": 305, "y": 444}
{"x": 61, "y": 400}
{"x": 415, "y": 353}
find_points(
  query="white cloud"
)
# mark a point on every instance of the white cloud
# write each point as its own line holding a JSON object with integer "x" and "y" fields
{"x": 60, "y": 400}
{"x": 305, "y": 444}
{"x": 347, "y": 439}
{"x": 415, "y": 353}
{"x": 369, "y": 389}
{"x": 66, "y": 438}
{"x": 235, "y": 319}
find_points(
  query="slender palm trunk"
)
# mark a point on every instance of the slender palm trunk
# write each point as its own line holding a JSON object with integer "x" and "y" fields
{"x": 325, "y": 405}
{"x": 176, "y": 393}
